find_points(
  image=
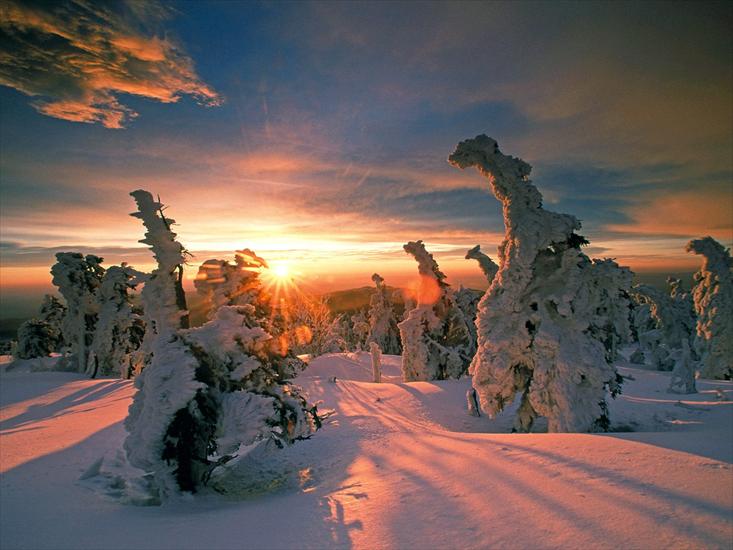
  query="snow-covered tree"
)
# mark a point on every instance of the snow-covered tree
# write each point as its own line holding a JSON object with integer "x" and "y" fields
{"x": 713, "y": 297}
{"x": 41, "y": 336}
{"x": 683, "y": 374}
{"x": 222, "y": 283}
{"x": 311, "y": 327}
{"x": 610, "y": 323}
{"x": 119, "y": 330}
{"x": 486, "y": 264}
{"x": 467, "y": 301}
{"x": 382, "y": 321}
{"x": 436, "y": 340}
{"x": 210, "y": 394}
{"x": 359, "y": 331}
{"x": 376, "y": 354}
{"x": 78, "y": 277}
{"x": 534, "y": 322}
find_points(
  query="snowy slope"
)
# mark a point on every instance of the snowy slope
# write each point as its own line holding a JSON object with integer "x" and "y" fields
{"x": 399, "y": 465}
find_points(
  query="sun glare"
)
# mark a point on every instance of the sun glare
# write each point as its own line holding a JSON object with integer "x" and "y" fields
{"x": 280, "y": 270}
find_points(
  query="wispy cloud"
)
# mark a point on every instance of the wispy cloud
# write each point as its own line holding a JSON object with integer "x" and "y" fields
{"x": 76, "y": 58}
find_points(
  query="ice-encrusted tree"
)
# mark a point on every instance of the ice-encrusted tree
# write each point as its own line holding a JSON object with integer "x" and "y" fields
{"x": 382, "y": 321}
{"x": 119, "y": 330}
{"x": 42, "y": 335}
{"x": 78, "y": 277}
{"x": 713, "y": 298}
{"x": 534, "y": 322}
{"x": 210, "y": 394}
{"x": 486, "y": 264}
{"x": 436, "y": 340}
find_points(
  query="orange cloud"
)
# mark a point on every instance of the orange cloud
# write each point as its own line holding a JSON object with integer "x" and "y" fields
{"x": 74, "y": 58}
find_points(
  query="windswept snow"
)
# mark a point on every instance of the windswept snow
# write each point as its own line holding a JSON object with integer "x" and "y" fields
{"x": 399, "y": 465}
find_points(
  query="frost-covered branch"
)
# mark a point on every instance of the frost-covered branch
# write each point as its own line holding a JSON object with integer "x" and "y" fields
{"x": 486, "y": 264}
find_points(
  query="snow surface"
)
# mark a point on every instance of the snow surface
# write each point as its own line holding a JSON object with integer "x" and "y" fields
{"x": 399, "y": 465}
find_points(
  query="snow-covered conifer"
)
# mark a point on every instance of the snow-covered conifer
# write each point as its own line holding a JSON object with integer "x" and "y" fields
{"x": 36, "y": 338}
{"x": 210, "y": 394}
{"x": 53, "y": 312}
{"x": 713, "y": 297}
{"x": 118, "y": 333}
{"x": 610, "y": 323}
{"x": 683, "y": 374}
{"x": 359, "y": 330}
{"x": 436, "y": 339}
{"x": 382, "y": 321}
{"x": 486, "y": 264}
{"x": 533, "y": 322}
{"x": 78, "y": 278}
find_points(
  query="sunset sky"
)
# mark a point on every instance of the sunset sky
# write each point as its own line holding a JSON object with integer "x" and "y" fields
{"x": 318, "y": 132}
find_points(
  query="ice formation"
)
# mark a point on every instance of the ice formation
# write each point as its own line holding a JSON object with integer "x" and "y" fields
{"x": 534, "y": 323}
{"x": 120, "y": 330}
{"x": 211, "y": 394}
{"x": 78, "y": 278}
{"x": 382, "y": 321}
{"x": 486, "y": 264}
{"x": 713, "y": 297}
{"x": 436, "y": 340}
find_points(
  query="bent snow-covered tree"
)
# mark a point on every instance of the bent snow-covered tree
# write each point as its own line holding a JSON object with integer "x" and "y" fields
{"x": 486, "y": 264}
{"x": 382, "y": 321}
{"x": 78, "y": 277}
{"x": 534, "y": 322}
{"x": 120, "y": 330}
{"x": 713, "y": 297}
{"x": 210, "y": 394}
{"x": 436, "y": 340}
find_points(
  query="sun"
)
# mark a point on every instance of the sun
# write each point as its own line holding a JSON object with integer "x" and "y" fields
{"x": 280, "y": 270}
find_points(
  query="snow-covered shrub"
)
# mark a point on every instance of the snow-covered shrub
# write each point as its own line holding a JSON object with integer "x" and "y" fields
{"x": 120, "y": 330}
{"x": 486, "y": 264}
{"x": 210, "y": 394}
{"x": 436, "y": 340}
{"x": 534, "y": 322}
{"x": 610, "y": 324}
{"x": 713, "y": 297}
{"x": 310, "y": 327}
{"x": 78, "y": 277}
{"x": 382, "y": 321}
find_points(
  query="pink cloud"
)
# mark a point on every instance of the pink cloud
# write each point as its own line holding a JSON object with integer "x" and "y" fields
{"x": 75, "y": 58}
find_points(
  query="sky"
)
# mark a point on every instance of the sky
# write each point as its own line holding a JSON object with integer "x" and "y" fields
{"x": 317, "y": 133}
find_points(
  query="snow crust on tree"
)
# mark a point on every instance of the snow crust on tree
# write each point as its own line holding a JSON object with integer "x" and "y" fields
{"x": 42, "y": 335}
{"x": 712, "y": 294}
{"x": 436, "y": 340}
{"x": 119, "y": 329}
{"x": 486, "y": 264}
{"x": 376, "y": 356}
{"x": 382, "y": 321}
{"x": 534, "y": 323}
{"x": 78, "y": 277}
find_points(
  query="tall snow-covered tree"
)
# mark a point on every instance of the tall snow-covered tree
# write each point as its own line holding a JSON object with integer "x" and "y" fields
{"x": 436, "y": 340}
{"x": 119, "y": 330}
{"x": 78, "y": 277}
{"x": 534, "y": 321}
{"x": 486, "y": 264}
{"x": 210, "y": 394}
{"x": 382, "y": 321}
{"x": 713, "y": 298}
